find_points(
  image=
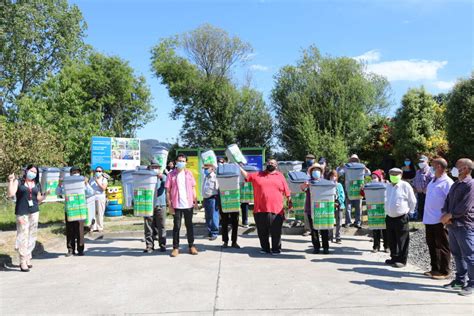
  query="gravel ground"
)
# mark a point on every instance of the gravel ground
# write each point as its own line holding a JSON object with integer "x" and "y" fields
{"x": 418, "y": 253}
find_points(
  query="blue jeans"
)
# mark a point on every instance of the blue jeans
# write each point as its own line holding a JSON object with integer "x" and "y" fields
{"x": 212, "y": 216}
{"x": 356, "y": 204}
{"x": 461, "y": 243}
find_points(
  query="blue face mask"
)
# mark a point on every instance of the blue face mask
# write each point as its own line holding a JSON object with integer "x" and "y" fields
{"x": 407, "y": 163}
{"x": 207, "y": 172}
{"x": 180, "y": 165}
{"x": 31, "y": 175}
{"x": 98, "y": 174}
{"x": 310, "y": 162}
{"x": 316, "y": 174}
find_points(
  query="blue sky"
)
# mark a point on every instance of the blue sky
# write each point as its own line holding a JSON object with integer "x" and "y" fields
{"x": 411, "y": 42}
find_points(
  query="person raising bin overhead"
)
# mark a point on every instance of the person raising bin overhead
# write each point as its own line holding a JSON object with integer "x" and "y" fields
{"x": 155, "y": 226}
{"x": 269, "y": 189}
{"x": 181, "y": 198}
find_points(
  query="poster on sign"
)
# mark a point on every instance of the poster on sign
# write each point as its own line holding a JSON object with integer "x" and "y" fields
{"x": 115, "y": 153}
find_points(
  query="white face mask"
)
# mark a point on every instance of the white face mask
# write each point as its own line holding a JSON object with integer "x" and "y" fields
{"x": 455, "y": 172}
{"x": 422, "y": 165}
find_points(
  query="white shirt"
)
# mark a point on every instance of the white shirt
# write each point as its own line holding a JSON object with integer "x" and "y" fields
{"x": 399, "y": 199}
{"x": 210, "y": 186}
{"x": 182, "y": 194}
{"x": 98, "y": 192}
{"x": 436, "y": 194}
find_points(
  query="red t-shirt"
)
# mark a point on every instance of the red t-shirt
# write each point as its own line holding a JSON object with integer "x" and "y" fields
{"x": 268, "y": 191}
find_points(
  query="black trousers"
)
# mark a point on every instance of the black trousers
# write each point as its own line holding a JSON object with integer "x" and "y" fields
{"x": 438, "y": 246}
{"x": 155, "y": 227}
{"x": 315, "y": 236}
{"x": 232, "y": 219}
{"x": 380, "y": 234}
{"x": 75, "y": 236}
{"x": 179, "y": 213}
{"x": 244, "y": 207}
{"x": 398, "y": 237}
{"x": 421, "y": 197}
{"x": 269, "y": 224}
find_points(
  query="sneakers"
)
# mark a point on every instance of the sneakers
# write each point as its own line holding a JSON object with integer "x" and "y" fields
{"x": 225, "y": 245}
{"x": 389, "y": 261}
{"x": 399, "y": 265}
{"x": 466, "y": 291}
{"x": 193, "y": 251}
{"x": 235, "y": 245}
{"x": 454, "y": 285}
{"x": 338, "y": 240}
{"x": 175, "y": 252}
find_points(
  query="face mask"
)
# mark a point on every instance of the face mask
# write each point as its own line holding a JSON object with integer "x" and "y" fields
{"x": 76, "y": 174}
{"x": 455, "y": 172}
{"x": 98, "y": 174}
{"x": 407, "y": 163}
{"x": 316, "y": 174}
{"x": 271, "y": 168}
{"x": 309, "y": 162}
{"x": 31, "y": 175}
{"x": 422, "y": 165}
{"x": 207, "y": 172}
{"x": 180, "y": 165}
{"x": 395, "y": 179}
{"x": 157, "y": 171}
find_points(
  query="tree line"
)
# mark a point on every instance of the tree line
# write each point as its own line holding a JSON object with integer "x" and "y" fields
{"x": 57, "y": 92}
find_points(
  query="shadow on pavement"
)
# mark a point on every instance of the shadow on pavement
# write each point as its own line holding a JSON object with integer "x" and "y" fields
{"x": 349, "y": 261}
{"x": 385, "y": 272}
{"x": 393, "y": 286}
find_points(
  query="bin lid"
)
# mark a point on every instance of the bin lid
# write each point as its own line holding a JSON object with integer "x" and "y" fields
{"x": 251, "y": 168}
{"x": 144, "y": 173}
{"x": 323, "y": 182}
{"x": 298, "y": 176}
{"x": 228, "y": 170}
{"x": 51, "y": 169}
{"x": 153, "y": 148}
{"x": 66, "y": 169}
{"x": 73, "y": 179}
{"x": 375, "y": 186}
{"x": 294, "y": 162}
{"x": 354, "y": 165}
{"x": 141, "y": 168}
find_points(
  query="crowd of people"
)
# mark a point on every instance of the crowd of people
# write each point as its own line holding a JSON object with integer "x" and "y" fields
{"x": 446, "y": 208}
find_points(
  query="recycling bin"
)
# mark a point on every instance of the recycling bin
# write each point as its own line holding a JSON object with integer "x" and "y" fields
{"x": 160, "y": 154}
{"x": 208, "y": 157}
{"x": 375, "y": 201}
{"x": 75, "y": 198}
{"x": 323, "y": 194}
{"x": 127, "y": 187}
{"x": 234, "y": 154}
{"x": 228, "y": 177}
{"x": 295, "y": 180}
{"x": 354, "y": 179}
{"x": 50, "y": 181}
{"x": 144, "y": 188}
{"x": 246, "y": 188}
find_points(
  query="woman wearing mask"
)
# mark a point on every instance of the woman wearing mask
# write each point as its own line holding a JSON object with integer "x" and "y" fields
{"x": 28, "y": 197}
{"x": 340, "y": 206}
{"x": 169, "y": 168}
{"x": 99, "y": 185}
{"x": 409, "y": 171}
{"x": 378, "y": 234}
{"x": 315, "y": 173}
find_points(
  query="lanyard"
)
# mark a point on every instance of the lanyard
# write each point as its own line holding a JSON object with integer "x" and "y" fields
{"x": 30, "y": 191}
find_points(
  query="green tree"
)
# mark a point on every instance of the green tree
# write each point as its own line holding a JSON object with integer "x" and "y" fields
{"x": 196, "y": 67}
{"x": 23, "y": 143}
{"x": 415, "y": 131}
{"x": 378, "y": 143}
{"x": 99, "y": 96}
{"x": 38, "y": 37}
{"x": 460, "y": 118}
{"x": 323, "y": 105}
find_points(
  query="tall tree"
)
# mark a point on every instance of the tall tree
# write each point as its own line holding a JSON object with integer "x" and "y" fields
{"x": 460, "y": 118}
{"x": 98, "y": 96}
{"x": 326, "y": 98}
{"x": 38, "y": 37}
{"x": 415, "y": 131}
{"x": 196, "y": 67}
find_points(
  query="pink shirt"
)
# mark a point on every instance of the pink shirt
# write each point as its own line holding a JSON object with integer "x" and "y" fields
{"x": 172, "y": 186}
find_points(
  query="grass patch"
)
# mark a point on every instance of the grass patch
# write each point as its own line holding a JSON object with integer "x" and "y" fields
{"x": 49, "y": 213}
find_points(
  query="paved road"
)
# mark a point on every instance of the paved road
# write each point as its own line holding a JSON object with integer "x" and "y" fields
{"x": 115, "y": 277}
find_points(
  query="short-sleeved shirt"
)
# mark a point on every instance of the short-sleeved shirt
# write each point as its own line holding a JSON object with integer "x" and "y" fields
{"x": 98, "y": 192}
{"x": 173, "y": 186}
{"x": 23, "y": 195}
{"x": 269, "y": 190}
{"x": 436, "y": 194}
{"x": 161, "y": 191}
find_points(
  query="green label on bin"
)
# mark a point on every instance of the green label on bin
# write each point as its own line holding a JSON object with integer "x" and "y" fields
{"x": 76, "y": 207}
{"x": 246, "y": 193}
{"x": 354, "y": 189}
{"x": 323, "y": 215}
{"x": 51, "y": 186}
{"x": 230, "y": 201}
{"x": 143, "y": 202}
{"x": 299, "y": 200}
{"x": 376, "y": 214}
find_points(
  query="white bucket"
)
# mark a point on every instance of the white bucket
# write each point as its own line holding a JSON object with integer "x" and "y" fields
{"x": 160, "y": 154}
{"x": 75, "y": 198}
{"x": 209, "y": 158}
{"x": 50, "y": 181}
{"x": 234, "y": 154}
{"x": 144, "y": 191}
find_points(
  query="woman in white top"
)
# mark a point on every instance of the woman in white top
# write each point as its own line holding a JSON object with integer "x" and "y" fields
{"x": 99, "y": 185}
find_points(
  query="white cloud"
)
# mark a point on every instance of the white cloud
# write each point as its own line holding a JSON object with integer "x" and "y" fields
{"x": 409, "y": 70}
{"x": 444, "y": 85}
{"x": 259, "y": 67}
{"x": 370, "y": 56}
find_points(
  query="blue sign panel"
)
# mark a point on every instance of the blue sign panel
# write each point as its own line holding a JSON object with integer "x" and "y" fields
{"x": 255, "y": 160}
{"x": 101, "y": 152}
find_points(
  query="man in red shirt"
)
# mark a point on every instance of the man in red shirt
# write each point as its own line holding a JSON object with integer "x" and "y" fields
{"x": 269, "y": 187}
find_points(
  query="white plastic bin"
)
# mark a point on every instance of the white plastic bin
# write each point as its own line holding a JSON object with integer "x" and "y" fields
{"x": 229, "y": 186}
{"x": 234, "y": 154}
{"x": 354, "y": 179}
{"x": 127, "y": 187}
{"x": 323, "y": 194}
{"x": 160, "y": 153}
{"x": 209, "y": 157}
{"x": 50, "y": 181}
{"x": 144, "y": 191}
{"x": 75, "y": 198}
{"x": 375, "y": 201}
